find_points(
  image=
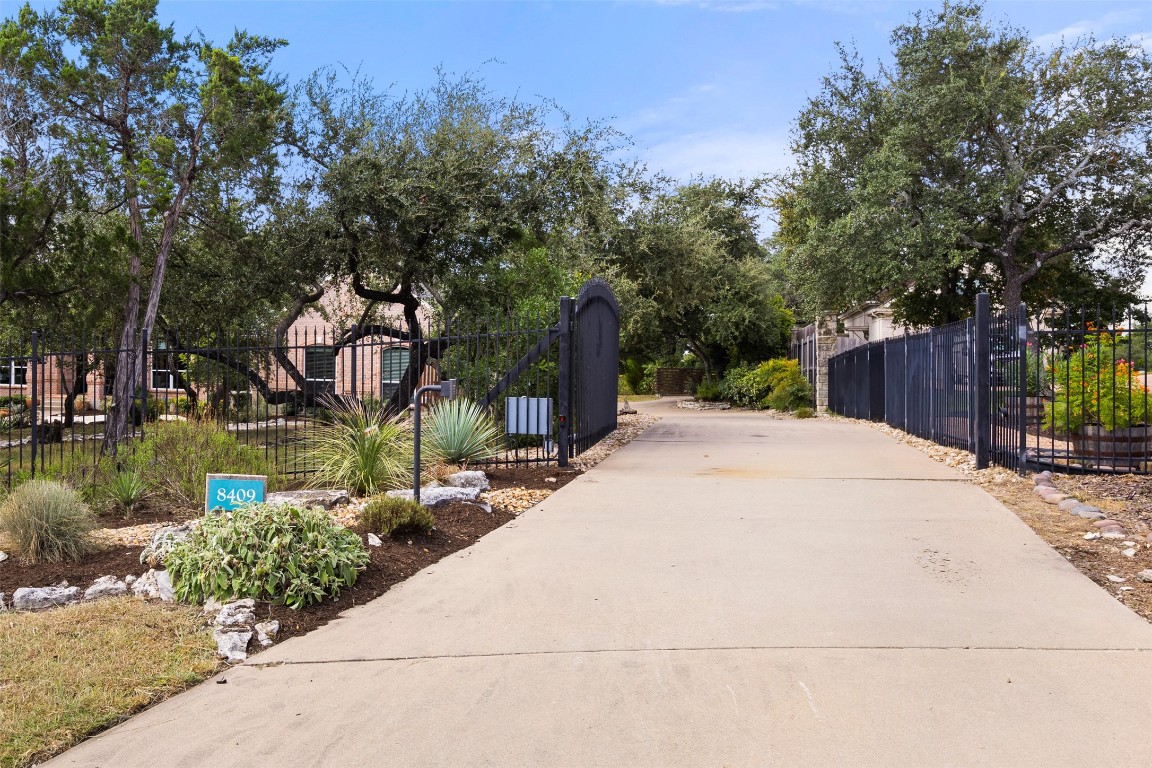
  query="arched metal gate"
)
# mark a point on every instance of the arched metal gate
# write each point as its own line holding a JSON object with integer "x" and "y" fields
{"x": 594, "y": 374}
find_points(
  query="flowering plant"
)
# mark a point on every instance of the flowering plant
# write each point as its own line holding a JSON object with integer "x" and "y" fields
{"x": 1095, "y": 385}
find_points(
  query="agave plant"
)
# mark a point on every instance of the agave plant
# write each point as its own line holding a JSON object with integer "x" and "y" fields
{"x": 125, "y": 490}
{"x": 359, "y": 449}
{"x": 459, "y": 431}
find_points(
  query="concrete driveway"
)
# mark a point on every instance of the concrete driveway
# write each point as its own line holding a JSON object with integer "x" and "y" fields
{"x": 728, "y": 590}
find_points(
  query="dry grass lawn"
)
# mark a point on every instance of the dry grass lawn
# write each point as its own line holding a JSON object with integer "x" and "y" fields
{"x": 69, "y": 672}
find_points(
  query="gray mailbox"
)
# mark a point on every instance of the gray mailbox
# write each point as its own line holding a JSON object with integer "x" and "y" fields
{"x": 528, "y": 415}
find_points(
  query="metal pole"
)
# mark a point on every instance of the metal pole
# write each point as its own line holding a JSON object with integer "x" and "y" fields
{"x": 564, "y": 394}
{"x": 1022, "y": 345}
{"x": 352, "y": 350}
{"x": 144, "y": 381}
{"x": 447, "y": 389}
{"x": 34, "y": 364}
{"x": 983, "y": 364}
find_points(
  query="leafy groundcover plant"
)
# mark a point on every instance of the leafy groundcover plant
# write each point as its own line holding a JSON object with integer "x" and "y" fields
{"x": 279, "y": 553}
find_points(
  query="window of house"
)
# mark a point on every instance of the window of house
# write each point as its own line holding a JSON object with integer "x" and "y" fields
{"x": 166, "y": 377}
{"x": 392, "y": 365}
{"x": 320, "y": 363}
{"x": 13, "y": 373}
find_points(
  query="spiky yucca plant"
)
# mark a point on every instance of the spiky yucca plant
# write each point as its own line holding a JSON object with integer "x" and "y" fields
{"x": 459, "y": 431}
{"x": 360, "y": 449}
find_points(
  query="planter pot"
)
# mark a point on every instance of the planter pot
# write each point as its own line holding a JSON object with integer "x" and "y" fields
{"x": 1034, "y": 410}
{"x": 1122, "y": 449}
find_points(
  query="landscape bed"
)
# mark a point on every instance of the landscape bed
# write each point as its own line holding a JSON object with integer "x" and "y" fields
{"x": 44, "y": 710}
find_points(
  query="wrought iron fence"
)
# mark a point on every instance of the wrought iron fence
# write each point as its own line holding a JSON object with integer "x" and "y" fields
{"x": 1060, "y": 390}
{"x": 272, "y": 392}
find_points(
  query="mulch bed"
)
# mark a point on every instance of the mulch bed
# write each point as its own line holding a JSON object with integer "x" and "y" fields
{"x": 457, "y": 527}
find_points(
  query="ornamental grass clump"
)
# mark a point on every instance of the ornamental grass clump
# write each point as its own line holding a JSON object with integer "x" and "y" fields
{"x": 385, "y": 515}
{"x": 459, "y": 431}
{"x": 279, "y": 553}
{"x": 359, "y": 448}
{"x": 47, "y": 522}
{"x": 1094, "y": 384}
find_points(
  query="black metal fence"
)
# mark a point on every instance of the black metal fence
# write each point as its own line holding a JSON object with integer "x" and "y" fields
{"x": 1059, "y": 390}
{"x": 271, "y": 392}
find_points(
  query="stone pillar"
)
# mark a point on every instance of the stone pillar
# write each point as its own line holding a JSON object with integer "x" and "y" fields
{"x": 825, "y": 349}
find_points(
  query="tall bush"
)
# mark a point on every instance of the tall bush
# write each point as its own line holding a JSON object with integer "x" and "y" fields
{"x": 174, "y": 457}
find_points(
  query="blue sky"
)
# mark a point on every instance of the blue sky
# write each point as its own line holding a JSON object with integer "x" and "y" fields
{"x": 703, "y": 87}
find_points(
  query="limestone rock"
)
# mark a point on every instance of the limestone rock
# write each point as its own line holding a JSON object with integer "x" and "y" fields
{"x": 1069, "y": 504}
{"x": 468, "y": 479}
{"x": 1116, "y": 579}
{"x": 164, "y": 586}
{"x": 1088, "y": 512}
{"x": 266, "y": 632}
{"x": 1055, "y": 498}
{"x": 146, "y": 586}
{"x": 1111, "y": 534}
{"x": 1145, "y": 576}
{"x": 129, "y": 579}
{"x": 3, "y": 556}
{"x": 105, "y": 586}
{"x": 232, "y": 644}
{"x": 237, "y": 613}
{"x": 431, "y": 497}
{"x": 326, "y": 499}
{"x": 163, "y": 540}
{"x": 374, "y": 540}
{"x": 3, "y": 603}
{"x": 39, "y": 598}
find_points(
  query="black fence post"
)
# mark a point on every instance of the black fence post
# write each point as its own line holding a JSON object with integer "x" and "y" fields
{"x": 352, "y": 352}
{"x": 144, "y": 366}
{"x": 1022, "y": 330}
{"x": 564, "y": 395}
{"x": 982, "y": 415}
{"x": 34, "y": 364}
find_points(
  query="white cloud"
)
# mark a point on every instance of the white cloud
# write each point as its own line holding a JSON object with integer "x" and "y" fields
{"x": 727, "y": 153}
{"x": 1142, "y": 39}
{"x": 1086, "y": 27}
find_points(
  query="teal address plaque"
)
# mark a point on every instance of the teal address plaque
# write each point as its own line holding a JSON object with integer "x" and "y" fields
{"x": 229, "y": 492}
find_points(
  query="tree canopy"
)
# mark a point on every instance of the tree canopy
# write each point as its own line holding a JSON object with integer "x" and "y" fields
{"x": 975, "y": 160}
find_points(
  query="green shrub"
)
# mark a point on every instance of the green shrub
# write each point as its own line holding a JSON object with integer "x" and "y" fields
{"x": 385, "y": 515}
{"x": 708, "y": 391}
{"x": 126, "y": 490}
{"x": 174, "y": 456}
{"x": 282, "y": 554}
{"x": 359, "y": 449}
{"x": 804, "y": 412}
{"x": 776, "y": 383}
{"x": 459, "y": 431}
{"x": 47, "y": 522}
{"x": 640, "y": 377}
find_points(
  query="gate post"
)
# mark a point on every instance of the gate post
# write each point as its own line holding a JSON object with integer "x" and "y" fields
{"x": 825, "y": 351}
{"x": 564, "y": 395}
{"x": 982, "y": 414}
